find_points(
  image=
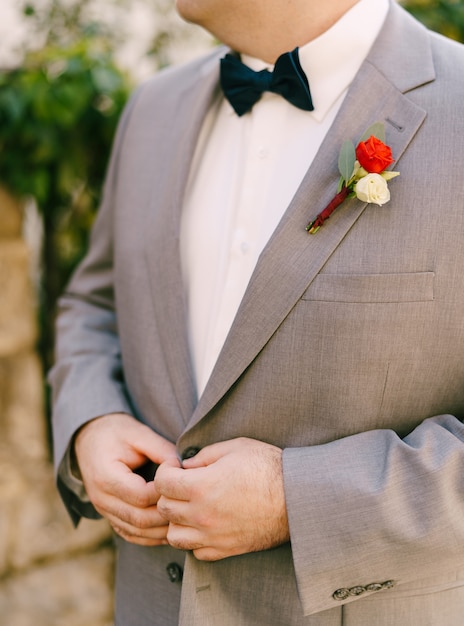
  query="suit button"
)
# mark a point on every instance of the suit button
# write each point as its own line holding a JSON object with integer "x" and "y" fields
{"x": 357, "y": 591}
{"x": 388, "y": 584}
{"x": 341, "y": 594}
{"x": 189, "y": 452}
{"x": 175, "y": 572}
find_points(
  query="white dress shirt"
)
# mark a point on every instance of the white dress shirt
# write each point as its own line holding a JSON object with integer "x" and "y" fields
{"x": 246, "y": 171}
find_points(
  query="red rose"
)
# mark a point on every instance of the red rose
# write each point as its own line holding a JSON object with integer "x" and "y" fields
{"x": 373, "y": 155}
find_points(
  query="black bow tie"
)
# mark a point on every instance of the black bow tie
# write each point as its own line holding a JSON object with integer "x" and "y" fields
{"x": 243, "y": 87}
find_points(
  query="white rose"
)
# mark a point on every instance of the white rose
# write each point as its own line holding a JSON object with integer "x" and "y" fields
{"x": 373, "y": 188}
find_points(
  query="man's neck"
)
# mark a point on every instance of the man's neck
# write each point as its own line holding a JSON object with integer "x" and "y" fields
{"x": 273, "y": 34}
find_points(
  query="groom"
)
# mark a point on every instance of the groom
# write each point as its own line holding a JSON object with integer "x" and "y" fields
{"x": 299, "y": 395}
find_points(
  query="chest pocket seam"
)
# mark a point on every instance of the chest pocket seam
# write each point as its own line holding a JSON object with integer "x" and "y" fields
{"x": 372, "y": 288}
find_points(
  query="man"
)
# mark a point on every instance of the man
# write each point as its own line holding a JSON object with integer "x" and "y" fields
{"x": 300, "y": 393}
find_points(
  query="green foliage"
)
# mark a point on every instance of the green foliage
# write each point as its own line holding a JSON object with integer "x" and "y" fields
{"x": 58, "y": 115}
{"x": 443, "y": 16}
{"x": 59, "y": 22}
{"x": 346, "y": 160}
{"x": 377, "y": 129}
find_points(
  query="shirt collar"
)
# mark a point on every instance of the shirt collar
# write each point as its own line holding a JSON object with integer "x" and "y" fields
{"x": 332, "y": 60}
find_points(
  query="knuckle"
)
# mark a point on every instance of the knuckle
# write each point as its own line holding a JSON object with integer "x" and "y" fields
{"x": 160, "y": 476}
{"x": 206, "y": 555}
{"x": 137, "y": 520}
{"x": 176, "y": 540}
{"x": 126, "y": 515}
{"x": 164, "y": 509}
{"x": 142, "y": 500}
{"x": 182, "y": 538}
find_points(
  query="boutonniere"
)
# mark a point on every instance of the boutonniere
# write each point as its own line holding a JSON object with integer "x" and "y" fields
{"x": 362, "y": 173}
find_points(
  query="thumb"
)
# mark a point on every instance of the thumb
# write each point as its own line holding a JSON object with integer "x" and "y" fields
{"x": 154, "y": 447}
{"x": 210, "y": 454}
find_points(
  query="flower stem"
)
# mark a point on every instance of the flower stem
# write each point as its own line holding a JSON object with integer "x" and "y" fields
{"x": 314, "y": 226}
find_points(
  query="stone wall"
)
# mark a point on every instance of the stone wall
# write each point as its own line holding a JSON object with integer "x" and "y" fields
{"x": 50, "y": 573}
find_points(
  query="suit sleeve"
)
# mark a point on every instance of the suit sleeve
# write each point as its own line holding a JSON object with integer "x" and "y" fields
{"x": 87, "y": 379}
{"x": 371, "y": 511}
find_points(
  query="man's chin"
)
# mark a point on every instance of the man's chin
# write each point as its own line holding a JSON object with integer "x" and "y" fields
{"x": 189, "y": 10}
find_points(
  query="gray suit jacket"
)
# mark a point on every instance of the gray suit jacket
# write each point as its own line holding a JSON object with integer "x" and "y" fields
{"x": 346, "y": 351}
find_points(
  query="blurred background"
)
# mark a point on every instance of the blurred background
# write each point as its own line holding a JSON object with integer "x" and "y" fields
{"x": 67, "y": 68}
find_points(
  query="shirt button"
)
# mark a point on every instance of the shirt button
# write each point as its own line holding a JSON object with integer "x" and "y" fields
{"x": 189, "y": 452}
{"x": 175, "y": 572}
{"x": 244, "y": 247}
{"x": 263, "y": 152}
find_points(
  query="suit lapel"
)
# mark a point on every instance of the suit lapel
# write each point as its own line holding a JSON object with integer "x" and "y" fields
{"x": 292, "y": 258}
{"x": 188, "y": 109}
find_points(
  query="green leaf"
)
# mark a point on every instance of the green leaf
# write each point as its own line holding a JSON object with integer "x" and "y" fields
{"x": 377, "y": 129}
{"x": 11, "y": 105}
{"x": 346, "y": 160}
{"x": 105, "y": 79}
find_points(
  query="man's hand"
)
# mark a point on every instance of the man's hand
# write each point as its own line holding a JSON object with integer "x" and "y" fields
{"x": 107, "y": 450}
{"x": 228, "y": 499}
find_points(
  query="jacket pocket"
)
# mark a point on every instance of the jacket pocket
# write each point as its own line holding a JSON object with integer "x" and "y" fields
{"x": 354, "y": 288}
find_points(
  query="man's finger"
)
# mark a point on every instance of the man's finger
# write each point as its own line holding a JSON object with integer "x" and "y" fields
{"x": 131, "y": 487}
{"x": 209, "y": 454}
{"x": 173, "y": 482}
{"x": 157, "y": 537}
{"x": 153, "y": 446}
{"x": 216, "y": 451}
{"x": 184, "y": 538}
